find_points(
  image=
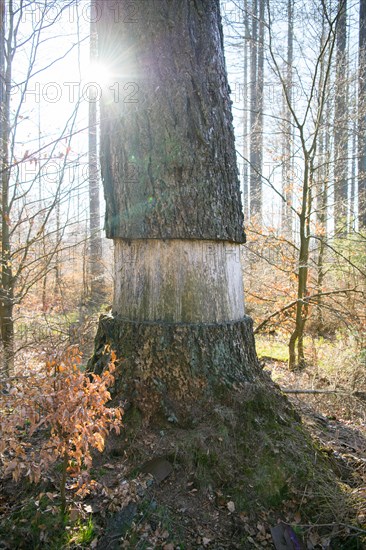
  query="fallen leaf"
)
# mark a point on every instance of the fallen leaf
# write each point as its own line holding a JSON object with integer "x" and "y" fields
{"x": 297, "y": 517}
{"x": 313, "y": 540}
{"x": 74, "y": 514}
{"x": 231, "y": 506}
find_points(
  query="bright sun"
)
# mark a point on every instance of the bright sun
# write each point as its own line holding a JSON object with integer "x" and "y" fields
{"x": 96, "y": 72}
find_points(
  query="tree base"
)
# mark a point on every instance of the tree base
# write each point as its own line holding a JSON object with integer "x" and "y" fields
{"x": 197, "y": 397}
{"x": 169, "y": 366}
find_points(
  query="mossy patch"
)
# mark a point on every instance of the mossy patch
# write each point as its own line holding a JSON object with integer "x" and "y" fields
{"x": 269, "y": 348}
{"x": 36, "y": 524}
{"x": 258, "y": 452}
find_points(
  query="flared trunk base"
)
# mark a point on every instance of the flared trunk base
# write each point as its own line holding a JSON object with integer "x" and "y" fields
{"x": 171, "y": 367}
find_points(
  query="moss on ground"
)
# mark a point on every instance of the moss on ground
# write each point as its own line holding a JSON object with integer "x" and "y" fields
{"x": 251, "y": 445}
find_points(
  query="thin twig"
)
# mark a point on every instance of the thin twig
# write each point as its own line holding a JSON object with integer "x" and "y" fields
{"x": 359, "y": 394}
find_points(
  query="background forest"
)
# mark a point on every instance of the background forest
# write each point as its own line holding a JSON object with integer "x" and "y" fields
{"x": 297, "y": 73}
{"x": 297, "y": 77}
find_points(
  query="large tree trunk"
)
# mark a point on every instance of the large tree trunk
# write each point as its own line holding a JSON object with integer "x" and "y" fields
{"x": 173, "y": 205}
{"x": 168, "y": 156}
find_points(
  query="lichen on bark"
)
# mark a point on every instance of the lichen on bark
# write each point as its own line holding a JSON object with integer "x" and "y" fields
{"x": 176, "y": 364}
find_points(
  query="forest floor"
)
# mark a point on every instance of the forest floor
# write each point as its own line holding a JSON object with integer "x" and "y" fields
{"x": 163, "y": 505}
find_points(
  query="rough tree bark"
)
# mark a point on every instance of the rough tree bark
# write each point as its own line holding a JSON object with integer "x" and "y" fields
{"x": 173, "y": 206}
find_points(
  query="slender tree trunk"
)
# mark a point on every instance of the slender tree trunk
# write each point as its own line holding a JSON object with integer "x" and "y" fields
{"x": 85, "y": 286}
{"x": 95, "y": 243}
{"x": 322, "y": 209}
{"x": 320, "y": 82}
{"x": 362, "y": 116}
{"x": 322, "y": 187}
{"x": 321, "y": 192}
{"x": 296, "y": 339}
{"x": 178, "y": 313}
{"x": 7, "y": 282}
{"x": 254, "y": 175}
{"x": 245, "y": 108}
{"x": 44, "y": 287}
{"x": 2, "y": 64}
{"x": 352, "y": 191}
{"x": 260, "y": 104}
{"x": 256, "y": 114}
{"x": 58, "y": 272}
{"x": 287, "y": 177}
{"x": 341, "y": 123}
{"x": 65, "y": 463}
